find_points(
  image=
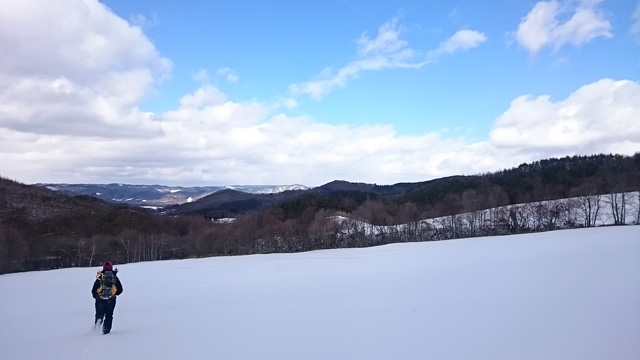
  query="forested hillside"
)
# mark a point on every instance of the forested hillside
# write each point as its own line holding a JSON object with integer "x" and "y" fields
{"x": 42, "y": 229}
{"x": 542, "y": 180}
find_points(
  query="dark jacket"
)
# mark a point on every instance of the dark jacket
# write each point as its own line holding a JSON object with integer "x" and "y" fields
{"x": 96, "y": 285}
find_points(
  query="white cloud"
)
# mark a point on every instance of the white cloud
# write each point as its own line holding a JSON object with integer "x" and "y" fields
{"x": 74, "y": 67}
{"x": 228, "y": 74}
{"x": 82, "y": 39}
{"x": 460, "y": 41}
{"x": 542, "y": 26}
{"x": 211, "y": 140}
{"x": 601, "y": 117}
{"x": 386, "y": 42}
{"x": 206, "y": 95}
{"x": 386, "y": 51}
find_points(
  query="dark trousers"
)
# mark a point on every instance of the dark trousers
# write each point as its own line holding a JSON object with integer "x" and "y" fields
{"x": 104, "y": 312}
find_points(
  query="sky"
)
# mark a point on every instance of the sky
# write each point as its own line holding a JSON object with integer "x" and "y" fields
{"x": 529, "y": 297}
{"x": 288, "y": 92}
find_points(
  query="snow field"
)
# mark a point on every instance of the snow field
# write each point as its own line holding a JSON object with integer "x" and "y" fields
{"x": 571, "y": 294}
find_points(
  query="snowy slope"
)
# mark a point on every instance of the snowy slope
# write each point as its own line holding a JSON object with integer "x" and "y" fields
{"x": 572, "y": 294}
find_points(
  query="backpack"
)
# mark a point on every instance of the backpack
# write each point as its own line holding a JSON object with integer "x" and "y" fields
{"x": 107, "y": 288}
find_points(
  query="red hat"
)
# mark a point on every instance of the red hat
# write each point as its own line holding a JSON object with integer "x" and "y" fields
{"x": 108, "y": 266}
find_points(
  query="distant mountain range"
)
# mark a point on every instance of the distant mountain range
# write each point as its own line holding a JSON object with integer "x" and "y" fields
{"x": 541, "y": 180}
{"x": 160, "y": 195}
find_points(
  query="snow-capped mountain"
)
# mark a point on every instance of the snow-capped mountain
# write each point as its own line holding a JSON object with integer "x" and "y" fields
{"x": 160, "y": 195}
{"x": 277, "y": 189}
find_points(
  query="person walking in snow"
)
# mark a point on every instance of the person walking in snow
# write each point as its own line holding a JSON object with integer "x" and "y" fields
{"x": 105, "y": 289}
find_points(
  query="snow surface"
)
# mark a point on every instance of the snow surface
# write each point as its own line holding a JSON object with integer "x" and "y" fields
{"x": 570, "y": 294}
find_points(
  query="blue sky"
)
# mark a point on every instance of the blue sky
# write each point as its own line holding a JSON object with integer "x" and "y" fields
{"x": 282, "y": 92}
{"x": 274, "y": 44}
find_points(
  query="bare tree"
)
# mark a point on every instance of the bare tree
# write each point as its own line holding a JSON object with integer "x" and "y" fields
{"x": 618, "y": 205}
{"x": 589, "y": 208}
{"x": 92, "y": 254}
{"x": 517, "y": 219}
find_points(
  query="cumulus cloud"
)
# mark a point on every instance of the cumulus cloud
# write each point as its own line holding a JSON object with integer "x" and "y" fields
{"x": 601, "y": 117}
{"x": 543, "y": 26}
{"x": 74, "y": 67}
{"x": 385, "y": 51}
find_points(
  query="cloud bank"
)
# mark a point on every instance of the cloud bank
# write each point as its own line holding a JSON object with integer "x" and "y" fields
{"x": 601, "y": 117}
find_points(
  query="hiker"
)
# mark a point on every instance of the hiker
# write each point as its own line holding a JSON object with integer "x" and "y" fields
{"x": 105, "y": 289}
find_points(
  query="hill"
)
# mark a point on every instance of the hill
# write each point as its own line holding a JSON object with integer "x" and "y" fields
{"x": 41, "y": 229}
{"x": 547, "y": 179}
{"x": 229, "y": 203}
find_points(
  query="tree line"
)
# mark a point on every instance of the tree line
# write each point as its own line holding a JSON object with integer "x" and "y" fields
{"x": 41, "y": 229}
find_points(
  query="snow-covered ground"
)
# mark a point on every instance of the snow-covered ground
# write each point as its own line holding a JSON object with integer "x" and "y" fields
{"x": 571, "y": 294}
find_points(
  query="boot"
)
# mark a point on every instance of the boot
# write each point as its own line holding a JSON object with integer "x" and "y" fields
{"x": 97, "y": 322}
